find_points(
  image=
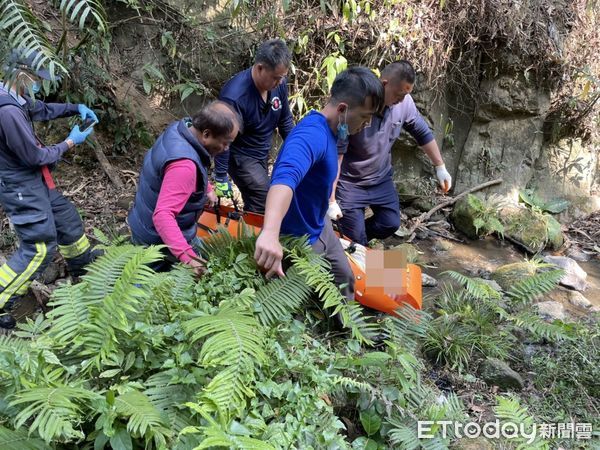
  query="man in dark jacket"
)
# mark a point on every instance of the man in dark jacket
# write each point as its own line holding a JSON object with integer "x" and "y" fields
{"x": 173, "y": 184}
{"x": 260, "y": 95}
{"x": 42, "y": 217}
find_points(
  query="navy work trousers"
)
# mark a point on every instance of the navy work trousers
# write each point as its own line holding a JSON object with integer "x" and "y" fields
{"x": 383, "y": 201}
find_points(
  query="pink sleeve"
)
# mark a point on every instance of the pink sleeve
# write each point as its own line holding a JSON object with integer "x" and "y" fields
{"x": 178, "y": 184}
{"x": 209, "y": 187}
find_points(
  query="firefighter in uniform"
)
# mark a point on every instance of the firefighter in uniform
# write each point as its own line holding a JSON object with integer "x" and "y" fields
{"x": 42, "y": 217}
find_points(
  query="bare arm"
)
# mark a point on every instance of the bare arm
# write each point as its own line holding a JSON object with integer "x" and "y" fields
{"x": 269, "y": 253}
{"x": 432, "y": 151}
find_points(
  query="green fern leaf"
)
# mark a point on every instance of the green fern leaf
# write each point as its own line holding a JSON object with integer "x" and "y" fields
{"x": 78, "y": 11}
{"x": 527, "y": 290}
{"x": 144, "y": 419}
{"x": 54, "y": 411}
{"x": 20, "y": 440}
{"x": 476, "y": 288}
{"x": 215, "y": 437}
{"x": 23, "y": 30}
{"x": 233, "y": 339}
{"x": 280, "y": 298}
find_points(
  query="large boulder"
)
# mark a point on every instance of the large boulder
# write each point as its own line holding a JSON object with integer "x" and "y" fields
{"x": 506, "y": 276}
{"x": 526, "y": 227}
{"x": 551, "y": 311}
{"x": 463, "y": 217}
{"x": 574, "y": 277}
{"x": 497, "y": 373}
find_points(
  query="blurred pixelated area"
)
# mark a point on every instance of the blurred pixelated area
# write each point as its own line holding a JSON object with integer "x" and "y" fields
{"x": 387, "y": 269}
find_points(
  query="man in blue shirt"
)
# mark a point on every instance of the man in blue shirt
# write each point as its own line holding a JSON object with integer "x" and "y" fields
{"x": 260, "y": 96}
{"x": 305, "y": 170}
{"x": 366, "y": 161}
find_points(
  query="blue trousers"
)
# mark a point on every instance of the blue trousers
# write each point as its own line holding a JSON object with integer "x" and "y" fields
{"x": 383, "y": 201}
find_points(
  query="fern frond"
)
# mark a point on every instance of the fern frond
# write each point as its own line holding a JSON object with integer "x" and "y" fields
{"x": 78, "y": 11}
{"x": 103, "y": 273}
{"x": 527, "y": 290}
{"x": 20, "y": 440}
{"x": 230, "y": 334}
{"x": 476, "y": 288}
{"x": 281, "y": 297}
{"x": 215, "y": 437}
{"x": 539, "y": 328}
{"x": 404, "y": 437}
{"x": 54, "y": 411}
{"x": 509, "y": 410}
{"x": 144, "y": 419}
{"x": 408, "y": 328}
{"x": 313, "y": 268}
{"x": 348, "y": 383}
{"x": 233, "y": 339}
{"x": 24, "y": 31}
{"x": 70, "y": 309}
{"x": 9, "y": 343}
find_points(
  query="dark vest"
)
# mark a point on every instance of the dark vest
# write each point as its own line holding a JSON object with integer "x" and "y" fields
{"x": 176, "y": 142}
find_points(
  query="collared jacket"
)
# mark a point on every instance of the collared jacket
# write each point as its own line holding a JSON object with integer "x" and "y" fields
{"x": 22, "y": 155}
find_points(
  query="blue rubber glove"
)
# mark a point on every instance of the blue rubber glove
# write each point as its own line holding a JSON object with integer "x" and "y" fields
{"x": 223, "y": 187}
{"x": 86, "y": 112}
{"x": 78, "y": 136}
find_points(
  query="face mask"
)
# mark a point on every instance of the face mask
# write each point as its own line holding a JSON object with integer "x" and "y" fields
{"x": 342, "y": 129}
{"x": 36, "y": 87}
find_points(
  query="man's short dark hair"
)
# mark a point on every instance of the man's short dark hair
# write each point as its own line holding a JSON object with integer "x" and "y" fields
{"x": 218, "y": 117}
{"x": 399, "y": 71}
{"x": 272, "y": 53}
{"x": 355, "y": 85}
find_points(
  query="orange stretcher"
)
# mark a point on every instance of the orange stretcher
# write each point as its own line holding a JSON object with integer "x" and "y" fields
{"x": 370, "y": 296}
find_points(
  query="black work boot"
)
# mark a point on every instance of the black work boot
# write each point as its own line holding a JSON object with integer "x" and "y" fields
{"x": 7, "y": 321}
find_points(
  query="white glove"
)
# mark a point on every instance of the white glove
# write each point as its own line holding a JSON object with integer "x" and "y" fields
{"x": 334, "y": 211}
{"x": 443, "y": 177}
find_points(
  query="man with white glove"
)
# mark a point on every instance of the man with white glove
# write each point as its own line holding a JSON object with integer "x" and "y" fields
{"x": 365, "y": 175}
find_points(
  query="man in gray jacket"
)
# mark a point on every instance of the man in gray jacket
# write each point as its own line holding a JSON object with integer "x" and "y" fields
{"x": 42, "y": 217}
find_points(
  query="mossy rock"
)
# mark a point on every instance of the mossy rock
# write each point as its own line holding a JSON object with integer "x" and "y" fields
{"x": 478, "y": 443}
{"x": 463, "y": 216}
{"x": 526, "y": 226}
{"x": 506, "y": 276}
{"x": 496, "y": 372}
{"x": 556, "y": 239}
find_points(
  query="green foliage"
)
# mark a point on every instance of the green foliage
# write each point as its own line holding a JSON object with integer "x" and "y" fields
{"x": 530, "y": 198}
{"x": 19, "y": 440}
{"x": 56, "y": 411}
{"x": 510, "y": 410}
{"x": 78, "y": 12}
{"x": 485, "y": 217}
{"x": 474, "y": 322}
{"x": 566, "y": 375}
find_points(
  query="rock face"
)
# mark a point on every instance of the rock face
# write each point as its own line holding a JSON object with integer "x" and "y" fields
{"x": 506, "y": 276}
{"x": 574, "y": 276}
{"x": 497, "y": 373}
{"x": 551, "y": 310}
